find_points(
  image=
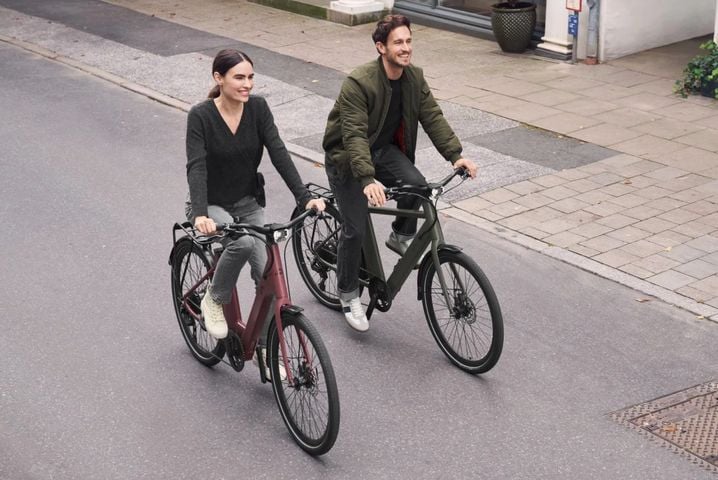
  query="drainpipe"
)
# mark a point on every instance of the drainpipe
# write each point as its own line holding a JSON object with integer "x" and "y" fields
{"x": 592, "y": 46}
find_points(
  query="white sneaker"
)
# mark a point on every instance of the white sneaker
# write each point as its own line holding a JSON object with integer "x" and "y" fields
{"x": 354, "y": 314}
{"x": 213, "y": 315}
{"x": 267, "y": 370}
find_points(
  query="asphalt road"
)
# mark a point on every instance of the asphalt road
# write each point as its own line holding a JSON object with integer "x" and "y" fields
{"x": 96, "y": 382}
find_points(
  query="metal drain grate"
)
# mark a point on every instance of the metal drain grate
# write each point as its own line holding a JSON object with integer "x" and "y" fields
{"x": 686, "y": 421}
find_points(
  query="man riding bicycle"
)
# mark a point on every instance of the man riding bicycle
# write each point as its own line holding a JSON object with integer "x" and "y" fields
{"x": 371, "y": 135}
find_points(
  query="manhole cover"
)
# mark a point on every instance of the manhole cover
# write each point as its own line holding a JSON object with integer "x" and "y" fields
{"x": 687, "y": 421}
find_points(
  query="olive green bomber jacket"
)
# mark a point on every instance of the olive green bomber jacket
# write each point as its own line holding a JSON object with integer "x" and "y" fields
{"x": 361, "y": 109}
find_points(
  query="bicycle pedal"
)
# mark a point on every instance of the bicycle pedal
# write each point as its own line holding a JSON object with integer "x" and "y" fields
{"x": 234, "y": 351}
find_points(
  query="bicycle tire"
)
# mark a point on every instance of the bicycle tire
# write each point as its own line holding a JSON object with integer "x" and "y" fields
{"x": 470, "y": 332}
{"x": 189, "y": 264}
{"x": 310, "y": 405}
{"x": 314, "y": 244}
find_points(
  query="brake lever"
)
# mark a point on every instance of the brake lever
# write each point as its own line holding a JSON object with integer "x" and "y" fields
{"x": 390, "y": 193}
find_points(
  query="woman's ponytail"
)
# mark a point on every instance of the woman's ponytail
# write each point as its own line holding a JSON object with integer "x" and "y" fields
{"x": 214, "y": 92}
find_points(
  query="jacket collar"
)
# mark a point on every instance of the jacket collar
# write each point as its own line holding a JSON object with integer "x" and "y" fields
{"x": 383, "y": 71}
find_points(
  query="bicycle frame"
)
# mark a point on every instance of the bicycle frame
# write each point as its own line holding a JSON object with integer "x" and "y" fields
{"x": 430, "y": 233}
{"x": 271, "y": 299}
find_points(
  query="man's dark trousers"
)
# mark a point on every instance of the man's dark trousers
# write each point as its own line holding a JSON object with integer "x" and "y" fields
{"x": 391, "y": 168}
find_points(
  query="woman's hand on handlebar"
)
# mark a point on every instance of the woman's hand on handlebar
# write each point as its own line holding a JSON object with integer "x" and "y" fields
{"x": 315, "y": 204}
{"x": 205, "y": 225}
{"x": 375, "y": 193}
{"x": 467, "y": 165}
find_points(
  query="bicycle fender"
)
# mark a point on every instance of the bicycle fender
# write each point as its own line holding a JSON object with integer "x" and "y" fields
{"x": 172, "y": 252}
{"x": 178, "y": 243}
{"x": 292, "y": 310}
{"x": 444, "y": 247}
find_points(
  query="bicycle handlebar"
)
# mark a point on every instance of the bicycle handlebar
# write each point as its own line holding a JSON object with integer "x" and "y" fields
{"x": 267, "y": 229}
{"x": 425, "y": 190}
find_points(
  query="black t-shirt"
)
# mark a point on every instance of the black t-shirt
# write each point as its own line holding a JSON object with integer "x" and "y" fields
{"x": 393, "y": 118}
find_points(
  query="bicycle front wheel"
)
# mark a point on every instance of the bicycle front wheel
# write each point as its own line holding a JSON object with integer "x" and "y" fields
{"x": 465, "y": 317}
{"x": 189, "y": 265}
{"x": 309, "y": 404}
{"x": 315, "y": 243}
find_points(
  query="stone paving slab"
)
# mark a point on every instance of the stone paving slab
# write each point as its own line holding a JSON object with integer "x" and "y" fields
{"x": 541, "y": 147}
{"x": 646, "y": 217}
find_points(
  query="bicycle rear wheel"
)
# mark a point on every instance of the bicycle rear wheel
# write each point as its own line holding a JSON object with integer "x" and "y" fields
{"x": 189, "y": 265}
{"x": 314, "y": 243}
{"x": 310, "y": 403}
{"x": 468, "y": 327}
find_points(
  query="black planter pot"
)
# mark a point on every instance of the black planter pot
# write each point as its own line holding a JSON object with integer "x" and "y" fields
{"x": 513, "y": 26}
{"x": 708, "y": 89}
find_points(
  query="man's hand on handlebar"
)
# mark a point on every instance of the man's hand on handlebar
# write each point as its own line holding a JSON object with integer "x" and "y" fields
{"x": 205, "y": 225}
{"x": 316, "y": 204}
{"x": 467, "y": 165}
{"x": 375, "y": 193}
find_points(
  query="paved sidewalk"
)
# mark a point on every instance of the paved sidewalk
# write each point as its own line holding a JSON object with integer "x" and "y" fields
{"x": 646, "y": 216}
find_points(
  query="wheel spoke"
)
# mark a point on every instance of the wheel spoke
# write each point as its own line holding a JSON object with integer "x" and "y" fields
{"x": 465, "y": 328}
{"x": 310, "y": 402}
{"x": 309, "y": 414}
{"x": 315, "y": 253}
{"x": 189, "y": 267}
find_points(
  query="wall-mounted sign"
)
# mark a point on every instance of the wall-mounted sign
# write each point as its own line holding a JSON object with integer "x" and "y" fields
{"x": 573, "y": 24}
{"x": 574, "y": 5}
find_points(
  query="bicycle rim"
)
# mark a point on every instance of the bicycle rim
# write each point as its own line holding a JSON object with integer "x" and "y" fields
{"x": 315, "y": 244}
{"x": 310, "y": 403}
{"x": 189, "y": 265}
{"x": 465, "y": 319}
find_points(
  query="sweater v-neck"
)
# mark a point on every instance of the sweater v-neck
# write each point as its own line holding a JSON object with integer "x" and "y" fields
{"x": 224, "y": 122}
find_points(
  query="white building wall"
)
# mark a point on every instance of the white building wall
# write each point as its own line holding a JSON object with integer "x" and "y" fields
{"x": 629, "y": 26}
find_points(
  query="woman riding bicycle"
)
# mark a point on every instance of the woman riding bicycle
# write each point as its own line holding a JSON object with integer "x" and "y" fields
{"x": 226, "y": 137}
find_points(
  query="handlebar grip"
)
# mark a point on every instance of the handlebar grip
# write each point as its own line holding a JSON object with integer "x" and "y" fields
{"x": 462, "y": 172}
{"x": 231, "y": 228}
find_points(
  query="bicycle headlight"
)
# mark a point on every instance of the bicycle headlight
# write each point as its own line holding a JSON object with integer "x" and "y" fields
{"x": 435, "y": 192}
{"x": 281, "y": 235}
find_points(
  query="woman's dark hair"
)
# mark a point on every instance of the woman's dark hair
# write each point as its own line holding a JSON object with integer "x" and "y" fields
{"x": 385, "y": 26}
{"x": 223, "y": 62}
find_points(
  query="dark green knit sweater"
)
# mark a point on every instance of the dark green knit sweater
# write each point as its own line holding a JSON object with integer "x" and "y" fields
{"x": 222, "y": 167}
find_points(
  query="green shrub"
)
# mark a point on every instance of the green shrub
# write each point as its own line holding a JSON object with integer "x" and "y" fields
{"x": 700, "y": 72}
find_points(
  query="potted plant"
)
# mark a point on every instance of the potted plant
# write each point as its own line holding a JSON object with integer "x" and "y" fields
{"x": 701, "y": 73}
{"x": 513, "y": 23}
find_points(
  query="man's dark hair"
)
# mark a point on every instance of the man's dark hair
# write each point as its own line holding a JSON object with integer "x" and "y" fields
{"x": 385, "y": 26}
